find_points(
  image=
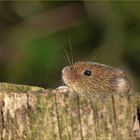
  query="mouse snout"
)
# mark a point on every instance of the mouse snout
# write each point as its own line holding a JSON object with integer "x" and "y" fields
{"x": 66, "y": 74}
{"x": 65, "y": 70}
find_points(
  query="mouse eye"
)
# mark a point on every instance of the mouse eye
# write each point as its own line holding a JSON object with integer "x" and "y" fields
{"x": 87, "y": 73}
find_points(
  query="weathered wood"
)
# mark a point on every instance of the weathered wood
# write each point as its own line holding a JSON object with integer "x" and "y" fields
{"x": 33, "y": 113}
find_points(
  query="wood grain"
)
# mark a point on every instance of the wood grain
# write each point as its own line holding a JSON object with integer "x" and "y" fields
{"x": 33, "y": 113}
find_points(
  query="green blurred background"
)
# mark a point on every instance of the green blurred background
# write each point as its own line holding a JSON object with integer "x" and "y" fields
{"x": 33, "y": 36}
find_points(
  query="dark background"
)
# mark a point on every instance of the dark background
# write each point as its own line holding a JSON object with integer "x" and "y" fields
{"x": 33, "y": 36}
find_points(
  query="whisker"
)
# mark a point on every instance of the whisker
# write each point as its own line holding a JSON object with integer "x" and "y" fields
{"x": 70, "y": 45}
{"x": 66, "y": 60}
{"x": 94, "y": 58}
{"x": 69, "y": 62}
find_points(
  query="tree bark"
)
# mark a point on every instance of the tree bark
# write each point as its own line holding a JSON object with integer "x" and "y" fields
{"x": 33, "y": 113}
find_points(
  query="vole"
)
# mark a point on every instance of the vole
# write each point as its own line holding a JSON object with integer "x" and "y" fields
{"x": 91, "y": 77}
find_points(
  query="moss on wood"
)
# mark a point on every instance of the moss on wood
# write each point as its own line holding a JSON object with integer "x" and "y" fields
{"x": 33, "y": 113}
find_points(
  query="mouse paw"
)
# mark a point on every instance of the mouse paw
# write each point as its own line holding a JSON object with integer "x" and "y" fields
{"x": 64, "y": 89}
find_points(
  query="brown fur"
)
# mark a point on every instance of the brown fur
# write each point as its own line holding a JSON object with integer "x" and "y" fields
{"x": 103, "y": 78}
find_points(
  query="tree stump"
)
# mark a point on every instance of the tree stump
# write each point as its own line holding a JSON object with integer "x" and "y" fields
{"x": 33, "y": 113}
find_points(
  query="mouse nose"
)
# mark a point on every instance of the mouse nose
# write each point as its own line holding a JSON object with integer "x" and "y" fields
{"x": 65, "y": 69}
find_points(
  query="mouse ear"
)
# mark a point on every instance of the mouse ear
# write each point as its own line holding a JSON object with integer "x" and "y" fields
{"x": 120, "y": 84}
{"x": 119, "y": 72}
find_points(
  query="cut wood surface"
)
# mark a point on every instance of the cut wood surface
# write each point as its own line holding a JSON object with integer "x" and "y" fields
{"x": 33, "y": 113}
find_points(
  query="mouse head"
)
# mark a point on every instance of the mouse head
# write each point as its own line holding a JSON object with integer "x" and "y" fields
{"x": 93, "y": 77}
